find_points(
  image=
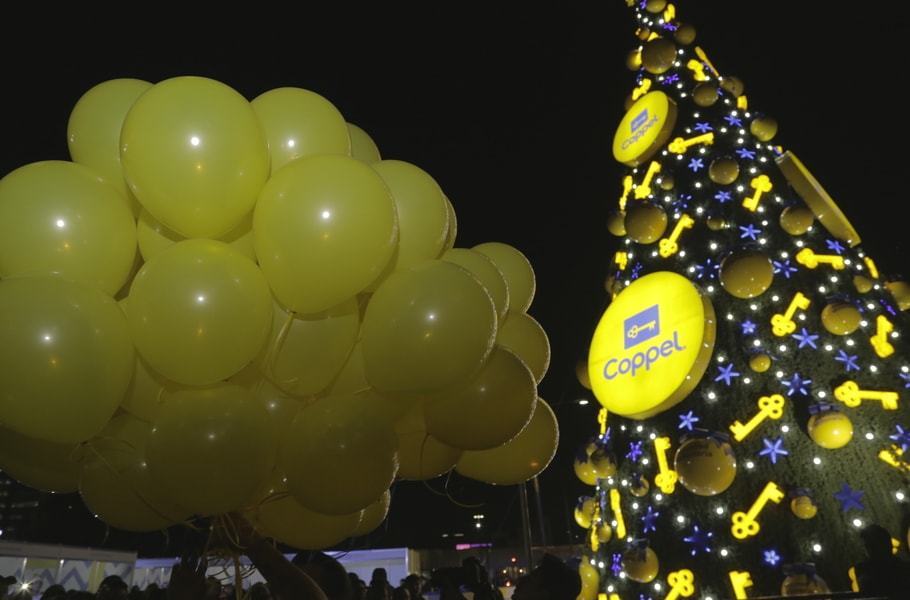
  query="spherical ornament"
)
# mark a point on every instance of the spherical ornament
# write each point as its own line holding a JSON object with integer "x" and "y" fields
{"x": 640, "y": 486}
{"x": 584, "y": 470}
{"x": 796, "y": 220}
{"x": 705, "y": 94}
{"x": 643, "y": 33}
{"x": 764, "y": 128}
{"x": 760, "y": 363}
{"x": 633, "y": 60}
{"x": 841, "y": 318}
{"x": 723, "y": 171}
{"x": 616, "y": 223}
{"x": 734, "y": 85}
{"x": 862, "y": 284}
{"x": 603, "y": 532}
{"x": 706, "y": 466}
{"x": 684, "y": 34}
{"x": 716, "y": 223}
{"x": 901, "y": 292}
{"x": 801, "y": 584}
{"x": 604, "y": 463}
{"x": 831, "y": 429}
{"x": 803, "y": 507}
{"x": 640, "y": 565}
{"x": 746, "y": 274}
{"x": 655, "y": 6}
{"x": 581, "y": 373}
{"x": 658, "y": 55}
{"x": 645, "y": 223}
{"x": 611, "y": 286}
{"x": 666, "y": 182}
{"x": 584, "y": 512}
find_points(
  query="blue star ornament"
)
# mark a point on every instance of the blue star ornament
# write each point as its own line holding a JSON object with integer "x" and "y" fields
{"x": 848, "y": 360}
{"x": 797, "y": 385}
{"x": 771, "y": 557}
{"x": 649, "y": 520}
{"x": 748, "y": 327}
{"x": 746, "y": 153}
{"x": 699, "y": 540}
{"x": 902, "y": 437}
{"x": 849, "y": 498}
{"x": 806, "y": 339}
{"x": 696, "y": 164}
{"x": 774, "y": 448}
{"x": 703, "y": 127}
{"x": 688, "y": 420}
{"x": 751, "y": 232}
{"x": 726, "y": 374}
{"x": 783, "y": 267}
{"x": 733, "y": 121}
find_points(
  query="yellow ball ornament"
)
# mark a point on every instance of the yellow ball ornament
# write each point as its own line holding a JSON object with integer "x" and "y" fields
{"x": 705, "y": 94}
{"x": 645, "y": 223}
{"x": 734, "y": 85}
{"x": 706, "y": 466}
{"x": 796, "y": 220}
{"x": 764, "y": 128}
{"x": 584, "y": 512}
{"x": 581, "y": 373}
{"x": 590, "y": 580}
{"x": 584, "y": 470}
{"x": 616, "y": 223}
{"x": 640, "y": 565}
{"x": 666, "y": 182}
{"x": 684, "y": 34}
{"x": 862, "y": 284}
{"x": 633, "y": 60}
{"x": 803, "y": 507}
{"x": 658, "y": 55}
{"x": 746, "y": 274}
{"x": 723, "y": 171}
{"x": 830, "y": 429}
{"x": 802, "y": 584}
{"x": 655, "y": 6}
{"x": 760, "y": 363}
{"x": 603, "y": 532}
{"x": 604, "y": 463}
{"x": 841, "y": 318}
{"x": 901, "y": 292}
{"x": 640, "y": 486}
{"x": 716, "y": 223}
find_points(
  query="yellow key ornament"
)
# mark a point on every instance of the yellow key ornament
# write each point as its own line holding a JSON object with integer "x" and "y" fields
{"x": 879, "y": 341}
{"x": 616, "y": 507}
{"x": 704, "y": 59}
{"x": 666, "y": 478}
{"x": 768, "y": 406}
{"x": 643, "y": 88}
{"x": 745, "y": 524}
{"x": 893, "y": 458}
{"x": 761, "y": 185}
{"x": 850, "y": 394}
{"x": 627, "y": 184}
{"x": 782, "y": 325}
{"x": 679, "y": 145}
{"x": 698, "y": 70}
{"x": 682, "y": 583}
{"x": 643, "y": 190}
{"x": 740, "y": 580}
{"x": 668, "y": 246}
{"x": 621, "y": 259}
{"x": 873, "y": 270}
{"x": 810, "y": 259}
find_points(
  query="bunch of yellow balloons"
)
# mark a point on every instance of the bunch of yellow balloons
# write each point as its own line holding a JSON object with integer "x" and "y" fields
{"x": 225, "y": 305}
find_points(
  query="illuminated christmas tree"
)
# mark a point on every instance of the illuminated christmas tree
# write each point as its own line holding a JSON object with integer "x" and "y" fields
{"x": 750, "y": 363}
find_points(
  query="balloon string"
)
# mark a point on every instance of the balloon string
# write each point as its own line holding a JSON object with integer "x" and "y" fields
{"x": 452, "y": 499}
{"x": 271, "y": 356}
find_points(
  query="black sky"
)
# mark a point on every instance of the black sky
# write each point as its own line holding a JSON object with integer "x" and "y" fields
{"x": 512, "y": 109}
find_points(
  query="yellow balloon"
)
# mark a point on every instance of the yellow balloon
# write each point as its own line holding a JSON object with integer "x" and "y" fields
{"x": 299, "y": 122}
{"x": 146, "y": 392}
{"x": 154, "y": 236}
{"x": 363, "y": 148}
{"x": 488, "y": 410}
{"x": 423, "y": 215}
{"x": 452, "y": 233}
{"x": 374, "y": 515}
{"x": 65, "y": 361}
{"x": 211, "y": 449}
{"x": 304, "y": 353}
{"x": 115, "y": 483}
{"x": 339, "y": 454}
{"x": 324, "y": 229}
{"x": 199, "y": 312}
{"x": 519, "y": 460}
{"x": 352, "y": 378}
{"x": 281, "y": 407}
{"x": 481, "y": 267}
{"x": 281, "y": 517}
{"x": 60, "y": 218}
{"x": 517, "y": 271}
{"x": 44, "y": 466}
{"x": 93, "y": 130}
{"x": 420, "y": 455}
{"x": 194, "y": 155}
{"x": 524, "y": 336}
{"x": 427, "y": 328}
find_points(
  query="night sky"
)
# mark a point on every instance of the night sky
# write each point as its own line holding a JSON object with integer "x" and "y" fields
{"x": 513, "y": 113}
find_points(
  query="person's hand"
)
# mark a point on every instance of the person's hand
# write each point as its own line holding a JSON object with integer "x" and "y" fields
{"x": 187, "y": 578}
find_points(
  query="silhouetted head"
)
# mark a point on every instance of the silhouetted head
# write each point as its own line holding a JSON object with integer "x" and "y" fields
{"x": 380, "y": 576}
{"x": 326, "y": 572}
{"x": 877, "y": 541}
{"x": 113, "y": 588}
{"x": 551, "y": 580}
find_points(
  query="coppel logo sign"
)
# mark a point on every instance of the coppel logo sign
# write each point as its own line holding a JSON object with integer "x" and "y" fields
{"x": 640, "y": 126}
{"x": 638, "y": 329}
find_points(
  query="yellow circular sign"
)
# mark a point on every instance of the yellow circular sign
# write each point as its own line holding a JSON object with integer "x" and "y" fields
{"x": 652, "y": 345}
{"x": 645, "y": 128}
